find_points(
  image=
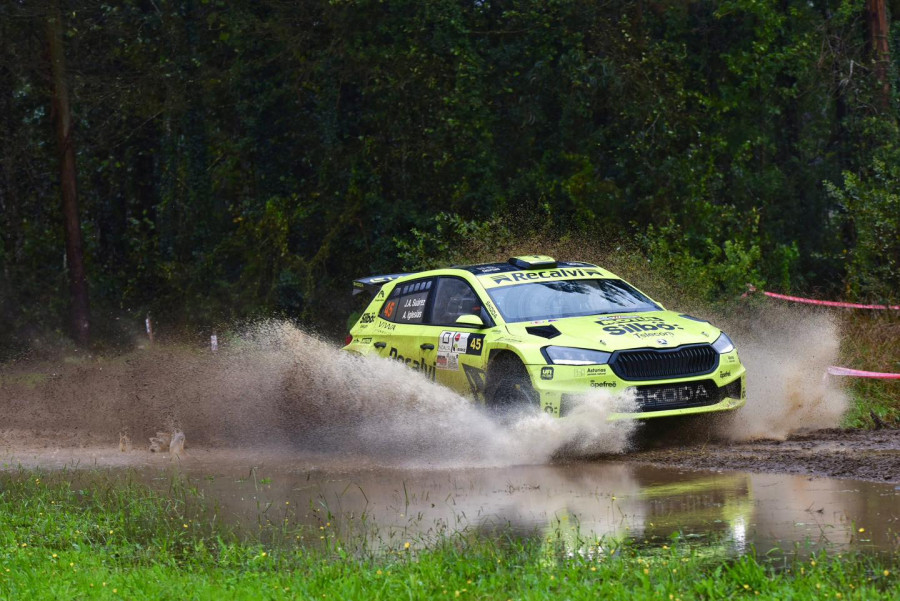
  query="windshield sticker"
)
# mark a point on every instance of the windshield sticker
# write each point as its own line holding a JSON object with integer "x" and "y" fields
{"x": 553, "y": 274}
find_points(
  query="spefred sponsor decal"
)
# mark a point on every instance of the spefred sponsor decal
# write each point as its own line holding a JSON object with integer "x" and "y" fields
{"x": 546, "y": 373}
{"x": 602, "y": 384}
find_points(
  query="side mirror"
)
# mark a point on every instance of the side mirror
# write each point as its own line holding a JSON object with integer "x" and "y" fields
{"x": 472, "y": 321}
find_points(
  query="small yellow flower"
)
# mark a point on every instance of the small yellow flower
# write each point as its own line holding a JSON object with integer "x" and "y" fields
{"x": 593, "y": 569}
{"x": 71, "y": 564}
{"x": 111, "y": 531}
{"x": 115, "y": 590}
{"x": 104, "y": 584}
{"x": 861, "y": 530}
{"x": 886, "y": 573}
{"x": 812, "y": 563}
{"x": 406, "y": 546}
{"x": 747, "y": 587}
{"x": 264, "y": 554}
{"x": 646, "y": 571}
{"x": 185, "y": 525}
{"x": 818, "y": 586}
{"x": 54, "y": 556}
{"x": 24, "y": 544}
{"x": 378, "y": 572}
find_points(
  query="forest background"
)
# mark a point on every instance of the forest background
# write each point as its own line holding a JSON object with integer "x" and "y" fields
{"x": 227, "y": 160}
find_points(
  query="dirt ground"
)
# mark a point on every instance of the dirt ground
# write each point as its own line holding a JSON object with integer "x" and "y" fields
{"x": 856, "y": 454}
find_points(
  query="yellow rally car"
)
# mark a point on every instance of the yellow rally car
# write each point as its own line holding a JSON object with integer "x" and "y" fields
{"x": 539, "y": 332}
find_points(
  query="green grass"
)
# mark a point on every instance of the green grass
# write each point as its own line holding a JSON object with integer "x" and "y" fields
{"x": 70, "y": 535}
{"x": 869, "y": 342}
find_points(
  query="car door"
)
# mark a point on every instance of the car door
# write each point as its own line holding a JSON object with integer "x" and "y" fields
{"x": 402, "y": 338}
{"x": 459, "y": 358}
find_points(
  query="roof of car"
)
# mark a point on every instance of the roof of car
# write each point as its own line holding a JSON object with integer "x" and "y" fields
{"x": 489, "y": 268}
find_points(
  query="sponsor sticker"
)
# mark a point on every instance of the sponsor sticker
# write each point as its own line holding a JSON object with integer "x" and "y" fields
{"x": 641, "y": 327}
{"x": 453, "y": 344}
{"x": 550, "y": 274}
{"x": 547, "y": 373}
{"x": 595, "y": 384}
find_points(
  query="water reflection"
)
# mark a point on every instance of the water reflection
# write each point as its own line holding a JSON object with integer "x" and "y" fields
{"x": 576, "y": 504}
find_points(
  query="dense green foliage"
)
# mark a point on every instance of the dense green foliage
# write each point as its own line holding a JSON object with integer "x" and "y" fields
{"x": 92, "y": 535}
{"x": 245, "y": 158}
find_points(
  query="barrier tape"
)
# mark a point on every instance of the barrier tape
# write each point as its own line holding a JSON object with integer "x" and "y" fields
{"x": 845, "y": 371}
{"x": 810, "y": 301}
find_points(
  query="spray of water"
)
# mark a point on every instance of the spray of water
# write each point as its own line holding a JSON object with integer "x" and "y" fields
{"x": 786, "y": 351}
{"x": 382, "y": 408}
{"x": 277, "y": 386}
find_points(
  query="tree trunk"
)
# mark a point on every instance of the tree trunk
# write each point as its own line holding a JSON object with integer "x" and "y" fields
{"x": 80, "y": 309}
{"x": 877, "y": 28}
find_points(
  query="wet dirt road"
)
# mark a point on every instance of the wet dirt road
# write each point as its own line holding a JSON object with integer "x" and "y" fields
{"x": 856, "y": 454}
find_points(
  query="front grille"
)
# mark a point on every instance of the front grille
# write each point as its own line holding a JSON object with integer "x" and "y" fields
{"x": 678, "y": 396}
{"x": 662, "y": 397}
{"x": 659, "y": 364}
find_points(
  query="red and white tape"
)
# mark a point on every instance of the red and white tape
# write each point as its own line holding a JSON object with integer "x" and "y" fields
{"x": 856, "y": 373}
{"x": 809, "y": 301}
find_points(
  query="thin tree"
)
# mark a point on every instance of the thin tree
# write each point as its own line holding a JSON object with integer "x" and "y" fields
{"x": 80, "y": 308}
{"x": 877, "y": 28}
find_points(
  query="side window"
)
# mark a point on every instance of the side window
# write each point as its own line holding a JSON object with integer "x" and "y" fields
{"x": 407, "y": 302}
{"x": 455, "y": 297}
{"x": 389, "y": 308}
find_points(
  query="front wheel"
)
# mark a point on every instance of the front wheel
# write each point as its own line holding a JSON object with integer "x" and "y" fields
{"x": 508, "y": 385}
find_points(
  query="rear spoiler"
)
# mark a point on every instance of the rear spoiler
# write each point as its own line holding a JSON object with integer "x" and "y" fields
{"x": 373, "y": 283}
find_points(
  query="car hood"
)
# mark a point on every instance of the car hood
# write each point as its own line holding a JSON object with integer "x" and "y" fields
{"x": 647, "y": 329}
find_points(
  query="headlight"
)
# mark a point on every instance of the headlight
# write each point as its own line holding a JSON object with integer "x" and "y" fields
{"x": 723, "y": 344}
{"x": 562, "y": 355}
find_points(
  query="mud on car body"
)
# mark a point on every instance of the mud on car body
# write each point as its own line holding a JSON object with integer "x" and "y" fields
{"x": 534, "y": 331}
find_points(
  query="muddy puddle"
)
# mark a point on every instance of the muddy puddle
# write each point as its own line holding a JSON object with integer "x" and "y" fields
{"x": 576, "y": 504}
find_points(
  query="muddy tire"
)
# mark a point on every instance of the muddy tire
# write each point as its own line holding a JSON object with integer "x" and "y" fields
{"x": 508, "y": 385}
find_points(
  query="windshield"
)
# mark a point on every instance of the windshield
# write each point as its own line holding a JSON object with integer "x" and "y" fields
{"x": 568, "y": 298}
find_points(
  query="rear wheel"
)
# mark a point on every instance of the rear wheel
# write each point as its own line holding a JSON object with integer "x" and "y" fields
{"x": 508, "y": 385}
